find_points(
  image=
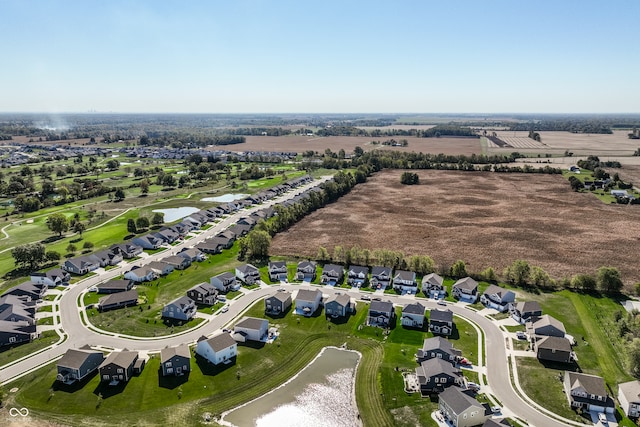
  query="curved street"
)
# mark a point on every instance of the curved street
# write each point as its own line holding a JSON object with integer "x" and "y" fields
{"x": 78, "y": 334}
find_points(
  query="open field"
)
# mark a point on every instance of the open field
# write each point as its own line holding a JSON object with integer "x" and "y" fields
{"x": 299, "y": 143}
{"x": 485, "y": 219}
{"x": 581, "y": 144}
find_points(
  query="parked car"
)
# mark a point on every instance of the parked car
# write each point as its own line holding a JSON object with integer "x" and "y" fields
{"x": 603, "y": 418}
{"x": 473, "y": 386}
{"x": 496, "y": 409}
{"x": 441, "y": 302}
{"x": 365, "y": 298}
{"x": 521, "y": 335}
{"x": 225, "y": 309}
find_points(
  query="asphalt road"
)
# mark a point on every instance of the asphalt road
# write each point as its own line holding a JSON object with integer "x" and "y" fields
{"x": 79, "y": 335}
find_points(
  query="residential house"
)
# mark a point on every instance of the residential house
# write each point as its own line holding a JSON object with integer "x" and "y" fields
{"x": 545, "y": 325}
{"x": 175, "y": 360}
{"x": 182, "y": 308}
{"x": 81, "y": 265}
{"x": 28, "y": 291}
{"x": 248, "y": 274}
{"x": 114, "y": 285}
{"x": 357, "y": 275}
{"x": 247, "y": 221}
{"x": 108, "y": 257}
{"x": 15, "y": 308}
{"x": 524, "y": 311}
{"x": 203, "y": 293}
{"x": 127, "y": 250}
{"x": 381, "y": 314}
{"x": 587, "y": 392}
{"x": 497, "y": 422}
{"x": 277, "y": 304}
{"x": 306, "y": 271}
{"x": 51, "y": 278}
{"x": 167, "y": 235}
{"x": 160, "y": 268}
{"x": 277, "y": 271}
{"x": 178, "y": 262}
{"x": 462, "y": 410}
{"x": 433, "y": 286}
{"x": 76, "y": 364}
{"x": 250, "y": 329}
{"x": 554, "y": 349}
{"x": 193, "y": 255}
{"x": 240, "y": 230}
{"x": 338, "y": 306}
{"x": 405, "y": 281}
{"x": 434, "y": 375}
{"x": 209, "y": 247}
{"x": 498, "y": 298}
{"x": 380, "y": 277}
{"x": 441, "y": 321}
{"x": 118, "y": 300}
{"x": 118, "y": 366}
{"x": 438, "y": 348}
{"x": 224, "y": 282}
{"x": 629, "y": 398}
{"x": 141, "y": 274}
{"x": 19, "y": 332}
{"x": 218, "y": 349}
{"x": 223, "y": 239}
{"x": 308, "y": 301}
{"x": 413, "y": 315}
{"x": 465, "y": 290}
{"x": 332, "y": 274}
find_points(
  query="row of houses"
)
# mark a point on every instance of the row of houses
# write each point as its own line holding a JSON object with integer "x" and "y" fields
{"x": 18, "y": 313}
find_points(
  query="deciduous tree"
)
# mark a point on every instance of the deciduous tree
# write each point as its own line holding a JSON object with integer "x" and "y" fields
{"x": 58, "y": 223}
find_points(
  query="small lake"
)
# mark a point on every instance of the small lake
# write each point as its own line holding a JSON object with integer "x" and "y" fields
{"x": 322, "y": 394}
{"x": 174, "y": 214}
{"x": 230, "y": 197}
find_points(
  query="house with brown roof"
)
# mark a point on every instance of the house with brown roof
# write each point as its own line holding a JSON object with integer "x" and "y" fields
{"x": 524, "y": 311}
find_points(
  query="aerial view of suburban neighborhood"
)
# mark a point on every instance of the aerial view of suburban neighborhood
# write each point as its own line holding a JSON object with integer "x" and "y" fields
{"x": 199, "y": 228}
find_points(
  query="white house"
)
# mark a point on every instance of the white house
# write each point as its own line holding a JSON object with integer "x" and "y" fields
{"x": 141, "y": 274}
{"x": 629, "y": 397}
{"x": 498, "y": 298}
{"x": 308, "y": 301}
{"x": 250, "y": 328}
{"x": 433, "y": 285}
{"x": 218, "y": 349}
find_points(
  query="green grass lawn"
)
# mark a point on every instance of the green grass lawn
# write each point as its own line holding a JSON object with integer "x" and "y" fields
{"x": 45, "y": 308}
{"x": 45, "y": 321}
{"x": 514, "y": 328}
{"x": 9, "y": 354}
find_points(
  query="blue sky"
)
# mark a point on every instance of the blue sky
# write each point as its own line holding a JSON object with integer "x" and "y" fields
{"x": 330, "y": 56}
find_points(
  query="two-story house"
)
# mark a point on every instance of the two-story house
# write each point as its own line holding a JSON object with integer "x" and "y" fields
{"x": 438, "y": 348}
{"x": 405, "y": 281}
{"x": 380, "y": 277}
{"x": 277, "y": 304}
{"x": 225, "y": 282}
{"x": 76, "y": 364}
{"x": 433, "y": 286}
{"x": 218, "y": 349}
{"x": 413, "y": 315}
{"x": 338, "y": 306}
{"x": 381, "y": 314}
{"x": 247, "y": 274}
{"x": 332, "y": 274}
{"x": 277, "y": 271}
{"x": 462, "y": 410}
{"x": 629, "y": 398}
{"x": 434, "y": 375}
{"x": 308, "y": 301}
{"x": 465, "y": 289}
{"x": 182, "y": 308}
{"x": 203, "y": 293}
{"x": 588, "y": 392}
{"x": 306, "y": 271}
{"x": 441, "y": 321}
{"x": 498, "y": 298}
{"x": 357, "y": 275}
{"x": 175, "y": 360}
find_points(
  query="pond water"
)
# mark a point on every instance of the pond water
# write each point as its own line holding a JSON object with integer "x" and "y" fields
{"x": 322, "y": 394}
{"x": 230, "y": 197}
{"x": 174, "y": 214}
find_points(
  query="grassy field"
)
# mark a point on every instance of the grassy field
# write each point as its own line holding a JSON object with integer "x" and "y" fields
{"x": 149, "y": 397}
{"x": 145, "y": 319}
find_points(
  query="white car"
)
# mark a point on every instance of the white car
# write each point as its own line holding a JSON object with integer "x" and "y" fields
{"x": 225, "y": 309}
{"x": 602, "y": 417}
{"x": 441, "y": 302}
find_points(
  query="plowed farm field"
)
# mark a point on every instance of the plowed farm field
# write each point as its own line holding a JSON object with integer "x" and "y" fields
{"x": 485, "y": 219}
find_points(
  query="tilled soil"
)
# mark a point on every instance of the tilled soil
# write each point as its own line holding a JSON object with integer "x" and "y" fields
{"x": 485, "y": 219}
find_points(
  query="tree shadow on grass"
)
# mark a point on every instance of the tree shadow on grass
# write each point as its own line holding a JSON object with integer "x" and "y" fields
{"x": 52, "y": 239}
{"x": 172, "y": 381}
{"x": 209, "y": 369}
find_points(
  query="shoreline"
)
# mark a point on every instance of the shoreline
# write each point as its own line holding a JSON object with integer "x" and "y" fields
{"x": 358, "y": 420}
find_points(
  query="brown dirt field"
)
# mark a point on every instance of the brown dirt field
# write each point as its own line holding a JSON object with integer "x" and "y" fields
{"x": 485, "y": 219}
{"x": 348, "y": 143}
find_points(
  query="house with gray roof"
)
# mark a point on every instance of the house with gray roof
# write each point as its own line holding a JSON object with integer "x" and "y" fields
{"x": 182, "y": 308}
{"x": 465, "y": 289}
{"x": 545, "y": 325}
{"x": 118, "y": 366}
{"x": 413, "y": 315}
{"x": 12, "y": 333}
{"x": 118, "y": 300}
{"x": 588, "y": 392}
{"x": 381, "y": 314}
{"x": 225, "y": 282}
{"x": 404, "y": 280}
{"x": 14, "y": 308}
{"x": 128, "y": 250}
{"x": 28, "y": 291}
{"x": 524, "y": 311}
{"x": 277, "y": 304}
{"x": 441, "y": 321}
{"x": 498, "y": 298}
{"x": 51, "y": 278}
{"x": 554, "y": 349}
{"x": 357, "y": 275}
{"x": 433, "y": 286}
{"x": 380, "y": 277}
{"x": 306, "y": 271}
{"x": 434, "y": 375}
{"x": 247, "y": 274}
{"x": 438, "y": 348}
{"x": 76, "y": 364}
{"x": 175, "y": 360}
{"x": 629, "y": 398}
{"x": 462, "y": 410}
{"x": 141, "y": 274}
{"x": 203, "y": 293}
{"x": 221, "y": 348}
{"x": 81, "y": 265}
{"x": 338, "y": 306}
{"x": 251, "y": 328}
{"x": 193, "y": 255}
{"x": 160, "y": 268}
{"x": 277, "y": 271}
{"x": 178, "y": 262}
{"x": 308, "y": 301}
{"x": 114, "y": 285}
{"x": 332, "y": 274}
